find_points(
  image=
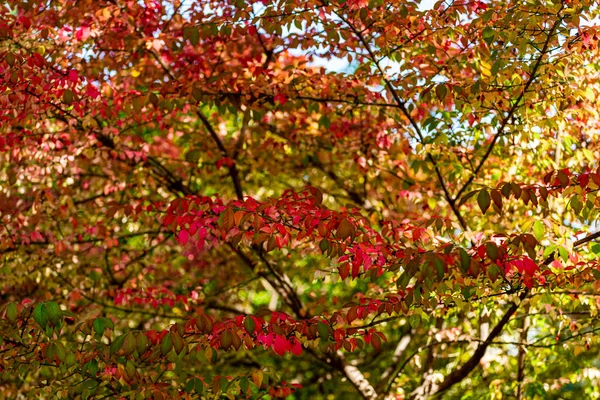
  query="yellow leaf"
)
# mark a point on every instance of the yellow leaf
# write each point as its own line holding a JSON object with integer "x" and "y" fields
{"x": 486, "y": 69}
{"x": 589, "y": 94}
{"x": 257, "y": 377}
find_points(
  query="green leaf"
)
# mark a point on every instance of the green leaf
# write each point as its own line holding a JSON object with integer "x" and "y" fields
{"x": 465, "y": 260}
{"x": 54, "y": 312}
{"x": 466, "y": 197}
{"x": 483, "y": 199}
{"x": 564, "y": 254}
{"x": 414, "y": 320}
{"x": 90, "y": 384}
{"x": 141, "y": 343}
{"x": 441, "y": 90}
{"x": 189, "y": 386}
{"x": 226, "y": 340}
{"x": 324, "y": 245}
{"x": 117, "y": 344}
{"x": 178, "y": 343}
{"x": 11, "y": 312}
{"x": 68, "y": 97}
{"x": 92, "y": 367}
{"x": 249, "y": 324}
{"x": 193, "y": 156}
{"x": 549, "y": 250}
{"x": 108, "y": 323}
{"x": 403, "y": 281}
{"x": 323, "y": 330}
{"x": 576, "y": 204}
{"x": 129, "y": 344}
{"x": 40, "y": 315}
{"x": 488, "y": 35}
{"x": 194, "y": 36}
{"x": 492, "y": 251}
{"x": 324, "y": 121}
{"x": 440, "y": 268}
{"x": 166, "y": 344}
{"x": 99, "y": 326}
{"x": 538, "y": 230}
{"x": 130, "y": 369}
{"x": 467, "y": 292}
{"x": 244, "y": 384}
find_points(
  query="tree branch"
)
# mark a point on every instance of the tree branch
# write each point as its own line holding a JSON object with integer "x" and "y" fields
{"x": 233, "y": 172}
{"x": 512, "y": 110}
{"x": 401, "y": 105}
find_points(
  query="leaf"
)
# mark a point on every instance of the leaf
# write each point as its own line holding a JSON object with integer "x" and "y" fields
{"x": 488, "y": 35}
{"x": 506, "y": 190}
{"x": 40, "y": 315}
{"x": 68, "y": 97}
{"x": 538, "y": 230}
{"x": 324, "y": 245}
{"x": 516, "y": 189}
{"x": 129, "y": 344}
{"x": 376, "y": 342}
{"x": 352, "y": 314}
{"x": 226, "y": 340}
{"x": 166, "y": 344}
{"x": 108, "y": 323}
{"x": 139, "y": 103}
{"x": 280, "y": 345}
{"x": 440, "y": 268}
{"x": 249, "y": 324}
{"x": 244, "y": 384}
{"x": 497, "y": 199}
{"x": 117, "y": 344}
{"x": 73, "y": 76}
{"x": 441, "y": 91}
{"x": 12, "y": 312}
{"x": 491, "y": 250}
{"x": 142, "y": 343}
{"x": 55, "y": 314}
{"x": 194, "y": 384}
{"x": 345, "y": 230}
{"x": 257, "y": 377}
{"x": 99, "y": 326}
{"x": 154, "y": 100}
{"x": 323, "y": 330}
{"x": 466, "y": 197}
{"x": 465, "y": 260}
{"x": 344, "y": 270}
{"x": 178, "y": 344}
{"x": 404, "y": 280}
{"x": 483, "y": 199}
{"x": 194, "y": 36}
{"x": 130, "y": 369}
{"x": 228, "y": 219}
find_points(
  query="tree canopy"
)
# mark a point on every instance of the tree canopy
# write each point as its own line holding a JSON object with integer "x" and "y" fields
{"x": 194, "y": 203}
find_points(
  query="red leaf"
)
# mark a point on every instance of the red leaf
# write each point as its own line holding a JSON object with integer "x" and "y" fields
{"x": 344, "y": 270}
{"x": 297, "y": 348}
{"x": 73, "y": 77}
{"x": 280, "y": 345}
{"x": 280, "y": 98}
{"x": 183, "y": 237}
{"x": 529, "y": 266}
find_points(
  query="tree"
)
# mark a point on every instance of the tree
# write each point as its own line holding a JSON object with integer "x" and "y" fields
{"x": 190, "y": 207}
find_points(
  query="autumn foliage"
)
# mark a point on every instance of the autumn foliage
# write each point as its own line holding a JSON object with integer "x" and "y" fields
{"x": 299, "y": 199}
